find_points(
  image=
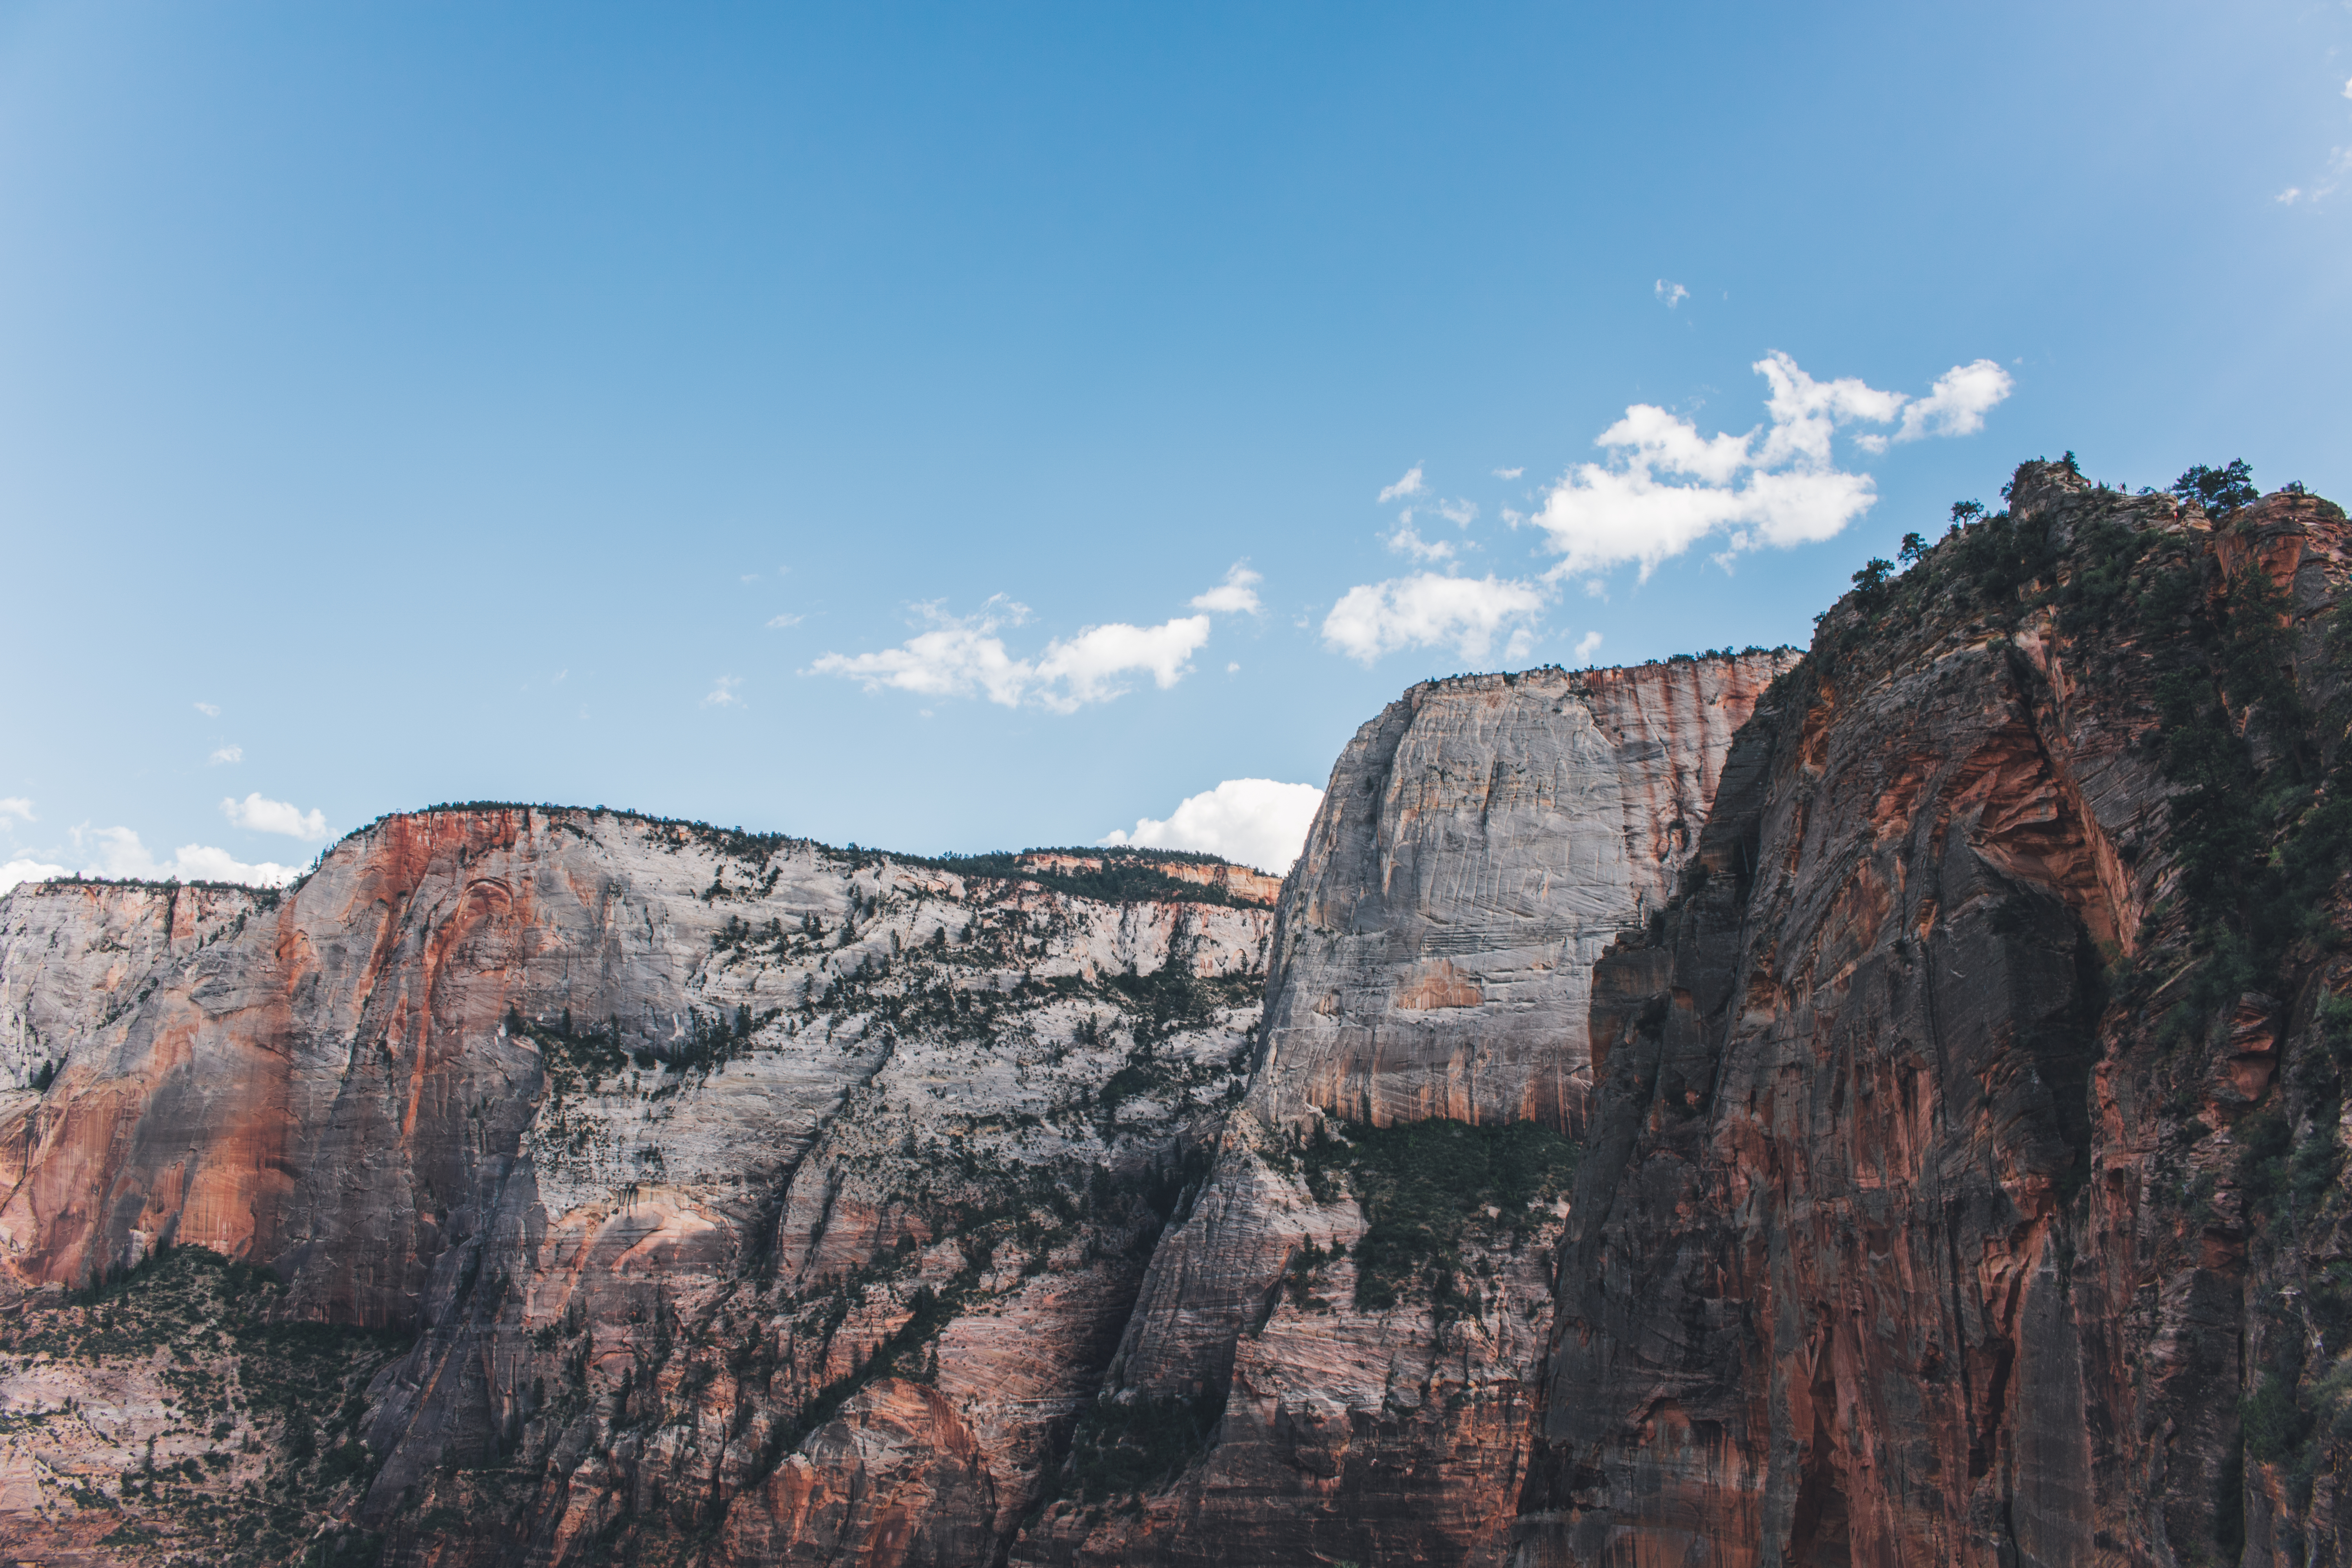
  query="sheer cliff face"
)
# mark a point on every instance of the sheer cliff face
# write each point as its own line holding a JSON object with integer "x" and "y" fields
{"x": 1480, "y": 844}
{"x": 739, "y": 1189}
{"x": 1946, "y": 1198}
{"x": 1950, "y": 1024}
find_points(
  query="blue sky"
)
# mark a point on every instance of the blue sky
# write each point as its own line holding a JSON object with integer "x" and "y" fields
{"x": 411, "y": 402}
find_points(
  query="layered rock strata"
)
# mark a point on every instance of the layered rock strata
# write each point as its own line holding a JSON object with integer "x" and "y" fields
{"x": 738, "y": 1190}
{"x": 1480, "y": 845}
{"x": 1889, "y": 1106}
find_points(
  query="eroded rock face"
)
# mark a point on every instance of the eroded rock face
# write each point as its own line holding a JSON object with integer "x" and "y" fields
{"x": 1915, "y": 1225}
{"x": 1480, "y": 845}
{"x": 740, "y": 1190}
{"x": 1948, "y": 1024}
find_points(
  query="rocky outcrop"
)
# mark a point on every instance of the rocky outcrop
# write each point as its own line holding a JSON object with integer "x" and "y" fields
{"x": 735, "y": 1190}
{"x": 1480, "y": 845}
{"x": 1928, "y": 1216}
{"x": 1885, "y": 1107}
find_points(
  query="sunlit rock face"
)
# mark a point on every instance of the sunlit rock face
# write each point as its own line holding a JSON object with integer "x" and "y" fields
{"x": 1882, "y": 1107}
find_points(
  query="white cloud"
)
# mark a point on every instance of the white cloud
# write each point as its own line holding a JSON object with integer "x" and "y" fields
{"x": 275, "y": 816}
{"x": 1671, "y": 294}
{"x": 1087, "y": 666}
{"x": 1428, "y": 610}
{"x": 1236, "y": 595}
{"x": 1954, "y": 405}
{"x": 778, "y": 623}
{"x": 2347, "y": 90}
{"x": 1252, "y": 822}
{"x": 963, "y": 657}
{"x": 959, "y": 657}
{"x": 1587, "y": 646}
{"x": 1667, "y": 487}
{"x": 209, "y": 709}
{"x": 1410, "y": 485}
{"x": 1509, "y": 473}
{"x": 1406, "y": 540}
{"x": 2290, "y": 195}
{"x": 722, "y": 692}
{"x": 15, "y": 872}
{"x": 230, "y": 753}
{"x": 16, "y": 805}
{"x": 120, "y": 854}
{"x": 1460, "y": 513}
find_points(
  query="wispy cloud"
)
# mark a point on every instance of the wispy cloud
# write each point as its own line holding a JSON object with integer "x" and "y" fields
{"x": 1671, "y": 294}
{"x": 1586, "y": 646}
{"x": 209, "y": 709}
{"x": 1255, "y": 822}
{"x": 1431, "y": 610}
{"x": 778, "y": 623}
{"x": 1510, "y": 473}
{"x": 220, "y": 754}
{"x": 2331, "y": 178}
{"x": 1236, "y": 595}
{"x": 1410, "y": 485}
{"x": 963, "y": 656}
{"x": 1666, "y": 486}
{"x": 1460, "y": 513}
{"x": 16, "y": 805}
{"x": 264, "y": 815}
{"x": 1407, "y": 541}
{"x": 722, "y": 692}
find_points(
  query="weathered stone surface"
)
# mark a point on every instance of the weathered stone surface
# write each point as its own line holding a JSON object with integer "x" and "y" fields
{"x": 658, "y": 1136}
{"x": 1954, "y": 1047}
{"x": 1480, "y": 844}
{"x": 1880, "y": 1253}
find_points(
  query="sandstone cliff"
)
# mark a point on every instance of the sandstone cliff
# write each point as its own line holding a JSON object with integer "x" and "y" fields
{"x": 1887, "y": 1106}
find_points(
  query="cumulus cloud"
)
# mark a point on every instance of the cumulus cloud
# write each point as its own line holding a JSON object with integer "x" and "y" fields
{"x": 264, "y": 815}
{"x": 1460, "y": 513}
{"x": 1666, "y": 486}
{"x": 1587, "y": 646}
{"x": 1671, "y": 294}
{"x": 722, "y": 692}
{"x": 1509, "y": 473}
{"x": 1252, "y": 822}
{"x": 209, "y": 709}
{"x": 1236, "y": 595}
{"x": 1410, "y": 485}
{"x": 964, "y": 656}
{"x": 14, "y": 871}
{"x": 778, "y": 623}
{"x": 226, "y": 755}
{"x": 1431, "y": 610}
{"x": 120, "y": 854}
{"x": 16, "y": 805}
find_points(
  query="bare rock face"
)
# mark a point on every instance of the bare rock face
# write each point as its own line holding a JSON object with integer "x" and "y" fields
{"x": 1942, "y": 1202}
{"x": 1480, "y": 845}
{"x": 731, "y": 1189}
{"x": 1885, "y": 1106}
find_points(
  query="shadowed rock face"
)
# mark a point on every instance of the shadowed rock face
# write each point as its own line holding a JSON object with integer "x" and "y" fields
{"x": 1480, "y": 844}
{"x": 1918, "y": 1224}
{"x": 1944, "y": 1022}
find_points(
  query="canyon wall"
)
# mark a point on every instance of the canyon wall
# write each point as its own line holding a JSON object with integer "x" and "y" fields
{"x": 1885, "y": 1107}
